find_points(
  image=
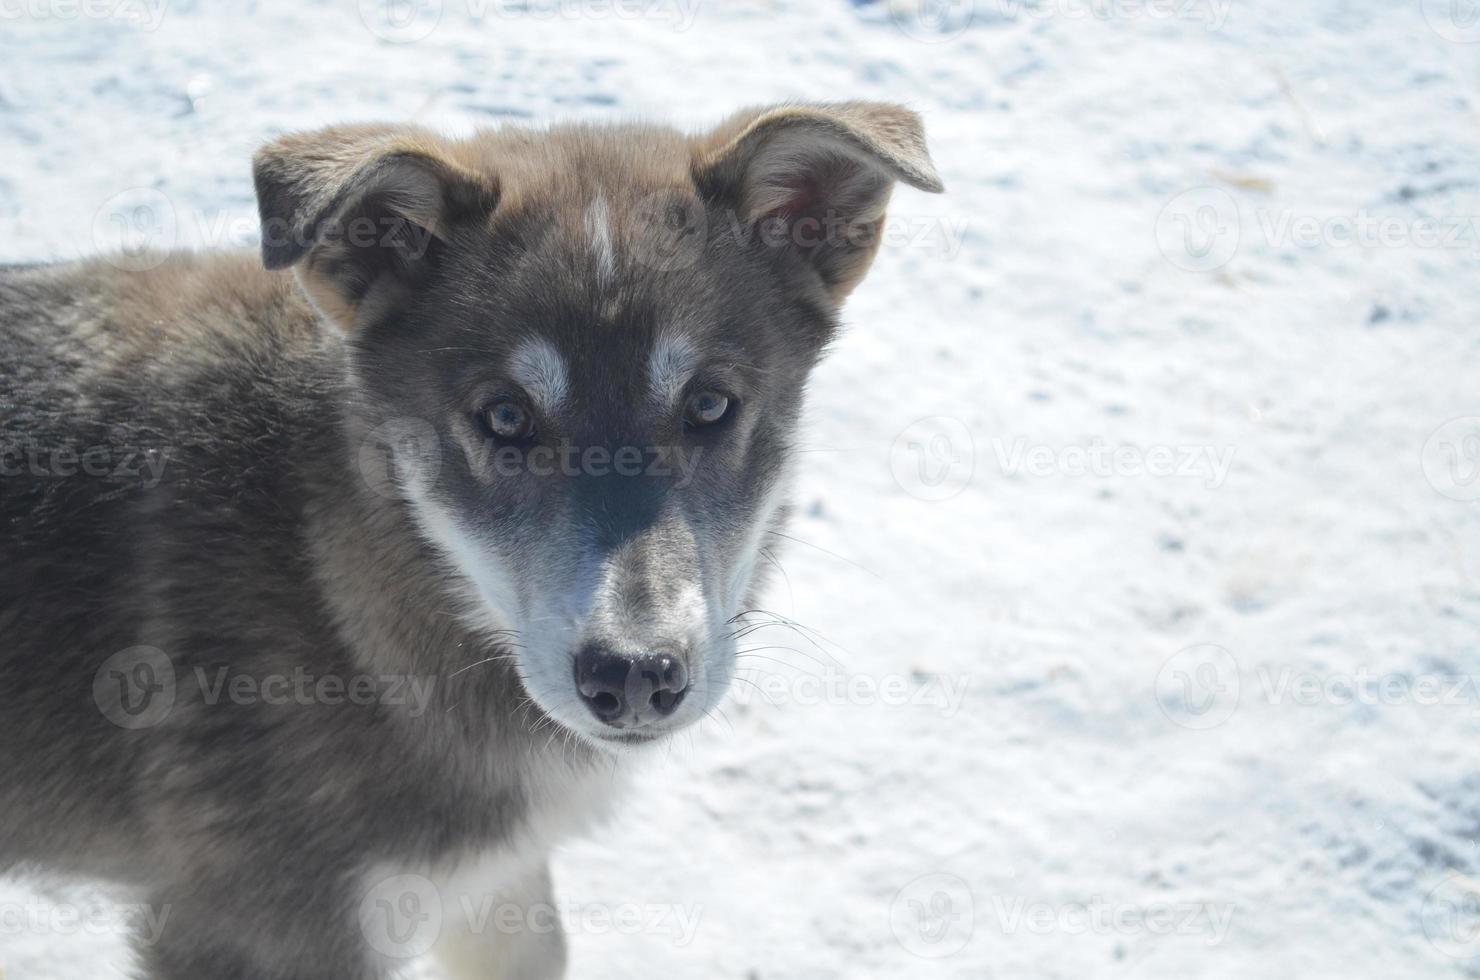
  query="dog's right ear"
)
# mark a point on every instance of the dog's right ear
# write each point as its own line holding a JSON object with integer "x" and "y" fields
{"x": 360, "y": 211}
{"x": 828, "y": 166}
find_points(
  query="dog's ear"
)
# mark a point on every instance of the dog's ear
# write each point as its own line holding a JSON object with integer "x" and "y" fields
{"x": 816, "y": 178}
{"x": 361, "y": 211}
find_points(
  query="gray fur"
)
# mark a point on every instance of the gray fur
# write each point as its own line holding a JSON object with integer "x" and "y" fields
{"x": 236, "y": 526}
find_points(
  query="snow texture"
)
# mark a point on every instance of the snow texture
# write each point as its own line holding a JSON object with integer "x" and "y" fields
{"x": 1150, "y": 651}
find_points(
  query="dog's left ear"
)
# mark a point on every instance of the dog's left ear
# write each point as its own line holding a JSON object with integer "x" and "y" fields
{"x": 360, "y": 211}
{"x": 816, "y": 178}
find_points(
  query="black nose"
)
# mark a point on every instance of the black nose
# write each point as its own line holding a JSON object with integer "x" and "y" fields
{"x": 630, "y": 692}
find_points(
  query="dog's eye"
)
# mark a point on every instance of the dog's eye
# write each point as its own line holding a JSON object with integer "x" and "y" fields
{"x": 508, "y": 419}
{"x": 707, "y": 408}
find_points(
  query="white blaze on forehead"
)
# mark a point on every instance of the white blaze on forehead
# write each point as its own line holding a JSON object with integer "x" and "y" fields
{"x": 540, "y": 369}
{"x": 599, "y": 230}
{"x": 670, "y": 365}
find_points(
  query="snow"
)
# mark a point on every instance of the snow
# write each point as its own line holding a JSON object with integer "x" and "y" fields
{"x": 1108, "y": 729}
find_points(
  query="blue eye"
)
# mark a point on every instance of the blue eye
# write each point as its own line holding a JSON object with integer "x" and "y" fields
{"x": 707, "y": 408}
{"x": 508, "y": 419}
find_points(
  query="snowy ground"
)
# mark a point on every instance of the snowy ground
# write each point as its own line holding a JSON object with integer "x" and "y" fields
{"x": 1191, "y": 521}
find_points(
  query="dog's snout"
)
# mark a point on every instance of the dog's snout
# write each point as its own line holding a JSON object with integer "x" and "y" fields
{"x": 630, "y": 691}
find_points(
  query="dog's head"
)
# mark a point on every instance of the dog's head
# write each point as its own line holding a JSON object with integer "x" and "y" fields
{"x": 597, "y": 340}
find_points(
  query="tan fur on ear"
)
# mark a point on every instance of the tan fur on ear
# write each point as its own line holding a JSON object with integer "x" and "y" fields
{"x": 831, "y": 164}
{"x": 890, "y": 136}
{"x": 314, "y": 190}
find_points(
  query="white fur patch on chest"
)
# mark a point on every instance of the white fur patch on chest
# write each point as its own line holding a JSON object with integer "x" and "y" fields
{"x": 562, "y": 804}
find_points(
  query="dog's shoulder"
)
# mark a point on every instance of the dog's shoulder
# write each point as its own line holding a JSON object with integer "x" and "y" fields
{"x": 173, "y": 311}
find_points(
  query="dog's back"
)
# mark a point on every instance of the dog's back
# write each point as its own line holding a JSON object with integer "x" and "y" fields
{"x": 146, "y": 439}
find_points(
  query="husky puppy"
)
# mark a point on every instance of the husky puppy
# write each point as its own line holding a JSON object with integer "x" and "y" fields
{"x": 328, "y": 596}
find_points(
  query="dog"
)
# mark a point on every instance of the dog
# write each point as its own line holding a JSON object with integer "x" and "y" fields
{"x": 337, "y": 583}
